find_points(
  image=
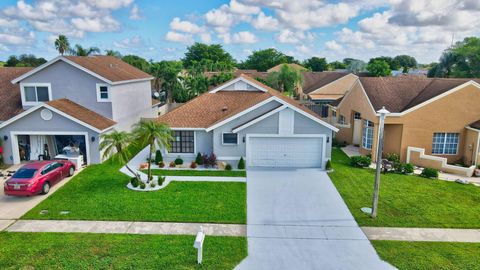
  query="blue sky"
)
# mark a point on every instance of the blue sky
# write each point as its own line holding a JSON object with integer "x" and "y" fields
{"x": 303, "y": 28}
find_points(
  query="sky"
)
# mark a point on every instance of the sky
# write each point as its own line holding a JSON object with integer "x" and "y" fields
{"x": 162, "y": 30}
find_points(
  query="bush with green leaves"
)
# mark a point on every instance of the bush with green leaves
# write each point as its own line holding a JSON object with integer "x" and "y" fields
{"x": 153, "y": 184}
{"x": 409, "y": 168}
{"x": 161, "y": 180}
{"x": 134, "y": 182}
{"x": 178, "y": 161}
{"x": 430, "y": 173}
{"x": 328, "y": 166}
{"x": 360, "y": 161}
{"x": 228, "y": 167}
{"x": 199, "y": 159}
{"x": 143, "y": 185}
{"x": 392, "y": 157}
{"x": 158, "y": 157}
{"x": 241, "y": 164}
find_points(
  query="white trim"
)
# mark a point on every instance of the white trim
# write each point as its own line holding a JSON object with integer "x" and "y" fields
{"x": 318, "y": 89}
{"x": 223, "y": 86}
{"x": 132, "y": 81}
{"x": 258, "y": 119}
{"x": 14, "y": 139}
{"x": 472, "y": 129}
{"x": 229, "y": 144}
{"x": 230, "y": 158}
{"x": 34, "y": 103}
{"x": 445, "y": 143}
{"x": 99, "y": 98}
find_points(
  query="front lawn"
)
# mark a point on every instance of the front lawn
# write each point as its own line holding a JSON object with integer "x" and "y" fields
{"x": 406, "y": 201}
{"x": 112, "y": 251}
{"x": 164, "y": 172}
{"x": 99, "y": 193}
{"x": 429, "y": 255}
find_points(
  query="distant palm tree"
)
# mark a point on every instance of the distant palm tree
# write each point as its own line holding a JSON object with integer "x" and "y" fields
{"x": 62, "y": 45}
{"x": 113, "y": 53}
{"x": 148, "y": 132}
{"x": 115, "y": 145}
{"x": 78, "y": 50}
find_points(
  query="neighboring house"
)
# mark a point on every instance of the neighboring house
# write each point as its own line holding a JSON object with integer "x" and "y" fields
{"x": 69, "y": 102}
{"x": 433, "y": 122}
{"x": 10, "y": 100}
{"x": 245, "y": 118}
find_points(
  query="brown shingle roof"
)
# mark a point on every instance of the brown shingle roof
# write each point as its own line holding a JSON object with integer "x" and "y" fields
{"x": 10, "y": 99}
{"x": 314, "y": 80}
{"x": 475, "y": 125}
{"x": 209, "y": 108}
{"x": 81, "y": 113}
{"x": 398, "y": 94}
{"x": 109, "y": 67}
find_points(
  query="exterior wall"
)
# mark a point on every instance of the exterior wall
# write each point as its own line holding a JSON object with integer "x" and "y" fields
{"x": 34, "y": 123}
{"x": 72, "y": 83}
{"x": 303, "y": 125}
{"x": 471, "y": 147}
{"x": 203, "y": 144}
{"x": 393, "y": 139}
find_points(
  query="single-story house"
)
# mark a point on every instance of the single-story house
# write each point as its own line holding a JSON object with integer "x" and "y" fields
{"x": 433, "y": 122}
{"x": 245, "y": 118}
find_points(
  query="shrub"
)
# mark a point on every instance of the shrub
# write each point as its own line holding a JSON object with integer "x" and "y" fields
{"x": 193, "y": 165}
{"x": 392, "y": 157}
{"x": 228, "y": 167}
{"x": 408, "y": 169}
{"x": 241, "y": 164}
{"x": 399, "y": 167}
{"x": 153, "y": 184}
{"x": 328, "y": 166}
{"x": 178, "y": 161}
{"x": 209, "y": 161}
{"x": 142, "y": 185}
{"x": 161, "y": 164}
{"x": 134, "y": 181}
{"x": 161, "y": 180}
{"x": 199, "y": 159}
{"x": 430, "y": 173}
{"x": 172, "y": 164}
{"x": 158, "y": 157}
{"x": 336, "y": 143}
{"x": 360, "y": 161}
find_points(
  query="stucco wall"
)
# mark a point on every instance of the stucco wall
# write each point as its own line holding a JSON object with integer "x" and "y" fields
{"x": 131, "y": 100}
{"x": 304, "y": 125}
{"x": 72, "y": 83}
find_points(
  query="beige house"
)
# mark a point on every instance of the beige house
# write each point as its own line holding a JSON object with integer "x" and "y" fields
{"x": 433, "y": 122}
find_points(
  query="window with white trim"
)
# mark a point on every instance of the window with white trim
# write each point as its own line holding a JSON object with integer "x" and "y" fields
{"x": 230, "y": 138}
{"x": 103, "y": 93}
{"x": 34, "y": 94}
{"x": 367, "y": 134}
{"x": 445, "y": 143}
{"x": 183, "y": 142}
{"x": 341, "y": 120}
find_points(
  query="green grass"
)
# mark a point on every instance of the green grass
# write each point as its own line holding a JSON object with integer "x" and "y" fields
{"x": 406, "y": 201}
{"x": 111, "y": 251}
{"x": 99, "y": 193}
{"x": 429, "y": 255}
{"x": 198, "y": 173}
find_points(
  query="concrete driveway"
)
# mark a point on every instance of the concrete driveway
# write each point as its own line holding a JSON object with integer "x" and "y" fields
{"x": 297, "y": 220}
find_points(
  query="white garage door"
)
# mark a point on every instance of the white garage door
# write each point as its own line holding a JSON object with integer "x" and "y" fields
{"x": 285, "y": 151}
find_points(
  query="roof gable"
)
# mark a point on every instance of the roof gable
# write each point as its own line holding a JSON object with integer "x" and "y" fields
{"x": 239, "y": 84}
{"x": 10, "y": 98}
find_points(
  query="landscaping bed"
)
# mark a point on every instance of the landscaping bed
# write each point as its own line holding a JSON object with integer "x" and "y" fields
{"x": 406, "y": 200}
{"x": 111, "y": 251}
{"x": 187, "y": 172}
{"x": 429, "y": 255}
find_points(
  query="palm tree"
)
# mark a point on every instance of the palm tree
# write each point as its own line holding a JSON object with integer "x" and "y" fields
{"x": 61, "y": 44}
{"x": 115, "y": 144}
{"x": 148, "y": 132}
{"x": 78, "y": 50}
{"x": 114, "y": 53}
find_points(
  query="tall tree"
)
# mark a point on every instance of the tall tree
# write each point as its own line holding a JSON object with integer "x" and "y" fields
{"x": 466, "y": 56}
{"x": 287, "y": 80}
{"x": 24, "y": 60}
{"x": 356, "y": 66}
{"x": 62, "y": 44}
{"x": 316, "y": 64}
{"x": 78, "y": 50}
{"x": 115, "y": 145}
{"x": 203, "y": 57}
{"x": 137, "y": 62}
{"x": 113, "y": 53}
{"x": 392, "y": 63}
{"x": 406, "y": 62}
{"x": 336, "y": 65}
{"x": 263, "y": 60}
{"x": 166, "y": 75}
{"x": 379, "y": 68}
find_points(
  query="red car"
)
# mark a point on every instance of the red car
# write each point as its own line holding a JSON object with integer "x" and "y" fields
{"x": 37, "y": 177}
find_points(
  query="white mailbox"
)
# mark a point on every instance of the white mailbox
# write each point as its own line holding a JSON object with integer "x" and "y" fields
{"x": 199, "y": 244}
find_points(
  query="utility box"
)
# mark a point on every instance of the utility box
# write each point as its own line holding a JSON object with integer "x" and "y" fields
{"x": 199, "y": 245}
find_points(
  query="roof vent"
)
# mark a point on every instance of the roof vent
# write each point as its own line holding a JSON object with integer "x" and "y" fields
{"x": 224, "y": 109}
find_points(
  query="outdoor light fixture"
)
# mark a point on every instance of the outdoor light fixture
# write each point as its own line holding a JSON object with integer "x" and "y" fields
{"x": 5, "y": 137}
{"x": 328, "y": 139}
{"x": 92, "y": 139}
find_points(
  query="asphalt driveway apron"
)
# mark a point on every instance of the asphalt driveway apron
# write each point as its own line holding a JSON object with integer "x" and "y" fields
{"x": 296, "y": 219}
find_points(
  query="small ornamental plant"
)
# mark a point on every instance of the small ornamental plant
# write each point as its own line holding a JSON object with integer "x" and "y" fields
{"x": 161, "y": 179}
{"x": 161, "y": 164}
{"x": 228, "y": 167}
{"x": 134, "y": 181}
{"x": 199, "y": 159}
{"x": 241, "y": 164}
{"x": 153, "y": 184}
{"x": 429, "y": 173}
{"x": 178, "y": 161}
{"x": 172, "y": 164}
{"x": 143, "y": 185}
{"x": 328, "y": 166}
{"x": 193, "y": 165}
{"x": 158, "y": 157}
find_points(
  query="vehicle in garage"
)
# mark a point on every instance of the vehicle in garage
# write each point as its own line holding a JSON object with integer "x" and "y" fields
{"x": 38, "y": 177}
{"x": 245, "y": 118}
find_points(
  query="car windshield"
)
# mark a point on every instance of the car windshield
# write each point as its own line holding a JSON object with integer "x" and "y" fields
{"x": 24, "y": 173}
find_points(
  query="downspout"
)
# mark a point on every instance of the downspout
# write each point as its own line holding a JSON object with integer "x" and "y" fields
{"x": 476, "y": 151}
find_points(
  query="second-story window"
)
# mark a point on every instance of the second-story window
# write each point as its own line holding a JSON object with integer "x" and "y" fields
{"x": 103, "y": 93}
{"x": 33, "y": 94}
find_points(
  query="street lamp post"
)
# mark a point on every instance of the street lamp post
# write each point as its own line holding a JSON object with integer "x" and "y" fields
{"x": 383, "y": 113}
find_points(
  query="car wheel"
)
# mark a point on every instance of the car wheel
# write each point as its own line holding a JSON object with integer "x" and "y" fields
{"x": 71, "y": 171}
{"x": 45, "y": 188}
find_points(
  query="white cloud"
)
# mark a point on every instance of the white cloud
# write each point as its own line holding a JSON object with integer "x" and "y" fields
{"x": 185, "y": 26}
{"x": 292, "y": 37}
{"x": 333, "y": 45}
{"x": 134, "y": 42}
{"x": 109, "y": 4}
{"x": 244, "y": 37}
{"x": 102, "y": 24}
{"x": 205, "y": 37}
{"x": 264, "y": 22}
{"x": 135, "y": 13}
{"x": 236, "y": 7}
{"x": 179, "y": 37}
{"x": 18, "y": 37}
{"x": 304, "y": 49}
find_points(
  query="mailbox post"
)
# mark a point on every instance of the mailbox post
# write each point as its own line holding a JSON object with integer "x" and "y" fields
{"x": 199, "y": 244}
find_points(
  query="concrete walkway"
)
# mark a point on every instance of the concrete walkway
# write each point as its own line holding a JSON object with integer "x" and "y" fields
{"x": 422, "y": 234}
{"x": 126, "y": 227}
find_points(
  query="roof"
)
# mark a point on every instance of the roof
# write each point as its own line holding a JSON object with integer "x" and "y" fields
{"x": 209, "y": 109}
{"x": 314, "y": 80}
{"x": 475, "y": 125}
{"x": 107, "y": 68}
{"x": 325, "y": 97}
{"x": 81, "y": 113}
{"x": 398, "y": 94}
{"x": 10, "y": 99}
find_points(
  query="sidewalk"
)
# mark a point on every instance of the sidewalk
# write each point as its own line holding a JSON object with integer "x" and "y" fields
{"x": 423, "y": 234}
{"x": 126, "y": 227}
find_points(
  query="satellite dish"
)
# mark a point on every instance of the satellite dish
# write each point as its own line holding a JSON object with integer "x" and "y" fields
{"x": 156, "y": 94}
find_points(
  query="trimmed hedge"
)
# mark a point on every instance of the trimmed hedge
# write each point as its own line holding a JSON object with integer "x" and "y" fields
{"x": 360, "y": 161}
{"x": 430, "y": 173}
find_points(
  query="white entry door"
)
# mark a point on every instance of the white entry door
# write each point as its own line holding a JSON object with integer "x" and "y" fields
{"x": 299, "y": 152}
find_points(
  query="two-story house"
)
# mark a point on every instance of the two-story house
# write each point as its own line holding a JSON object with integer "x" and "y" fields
{"x": 68, "y": 102}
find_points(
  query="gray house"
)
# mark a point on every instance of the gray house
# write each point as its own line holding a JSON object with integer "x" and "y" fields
{"x": 245, "y": 118}
{"x": 68, "y": 102}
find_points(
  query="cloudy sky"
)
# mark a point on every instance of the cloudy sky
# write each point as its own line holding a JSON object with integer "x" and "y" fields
{"x": 157, "y": 29}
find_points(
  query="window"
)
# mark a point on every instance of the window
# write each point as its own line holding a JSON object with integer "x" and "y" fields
{"x": 103, "y": 93}
{"x": 47, "y": 169}
{"x": 324, "y": 111}
{"x": 341, "y": 120}
{"x": 445, "y": 143}
{"x": 183, "y": 142}
{"x": 367, "y": 134}
{"x": 230, "y": 138}
{"x": 334, "y": 114}
{"x": 33, "y": 94}
{"x": 357, "y": 116}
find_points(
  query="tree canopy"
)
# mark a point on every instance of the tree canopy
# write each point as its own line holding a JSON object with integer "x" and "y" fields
{"x": 316, "y": 64}
{"x": 287, "y": 80}
{"x": 203, "y": 57}
{"x": 336, "y": 65}
{"x": 406, "y": 62}
{"x": 463, "y": 59}
{"x": 79, "y": 50}
{"x": 392, "y": 63}
{"x": 379, "y": 68}
{"x": 356, "y": 66}
{"x": 263, "y": 60}
{"x": 137, "y": 62}
{"x": 24, "y": 60}
{"x": 62, "y": 44}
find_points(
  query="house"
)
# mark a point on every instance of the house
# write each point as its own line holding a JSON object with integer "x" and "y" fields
{"x": 245, "y": 118}
{"x": 433, "y": 121}
{"x": 63, "y": 106}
